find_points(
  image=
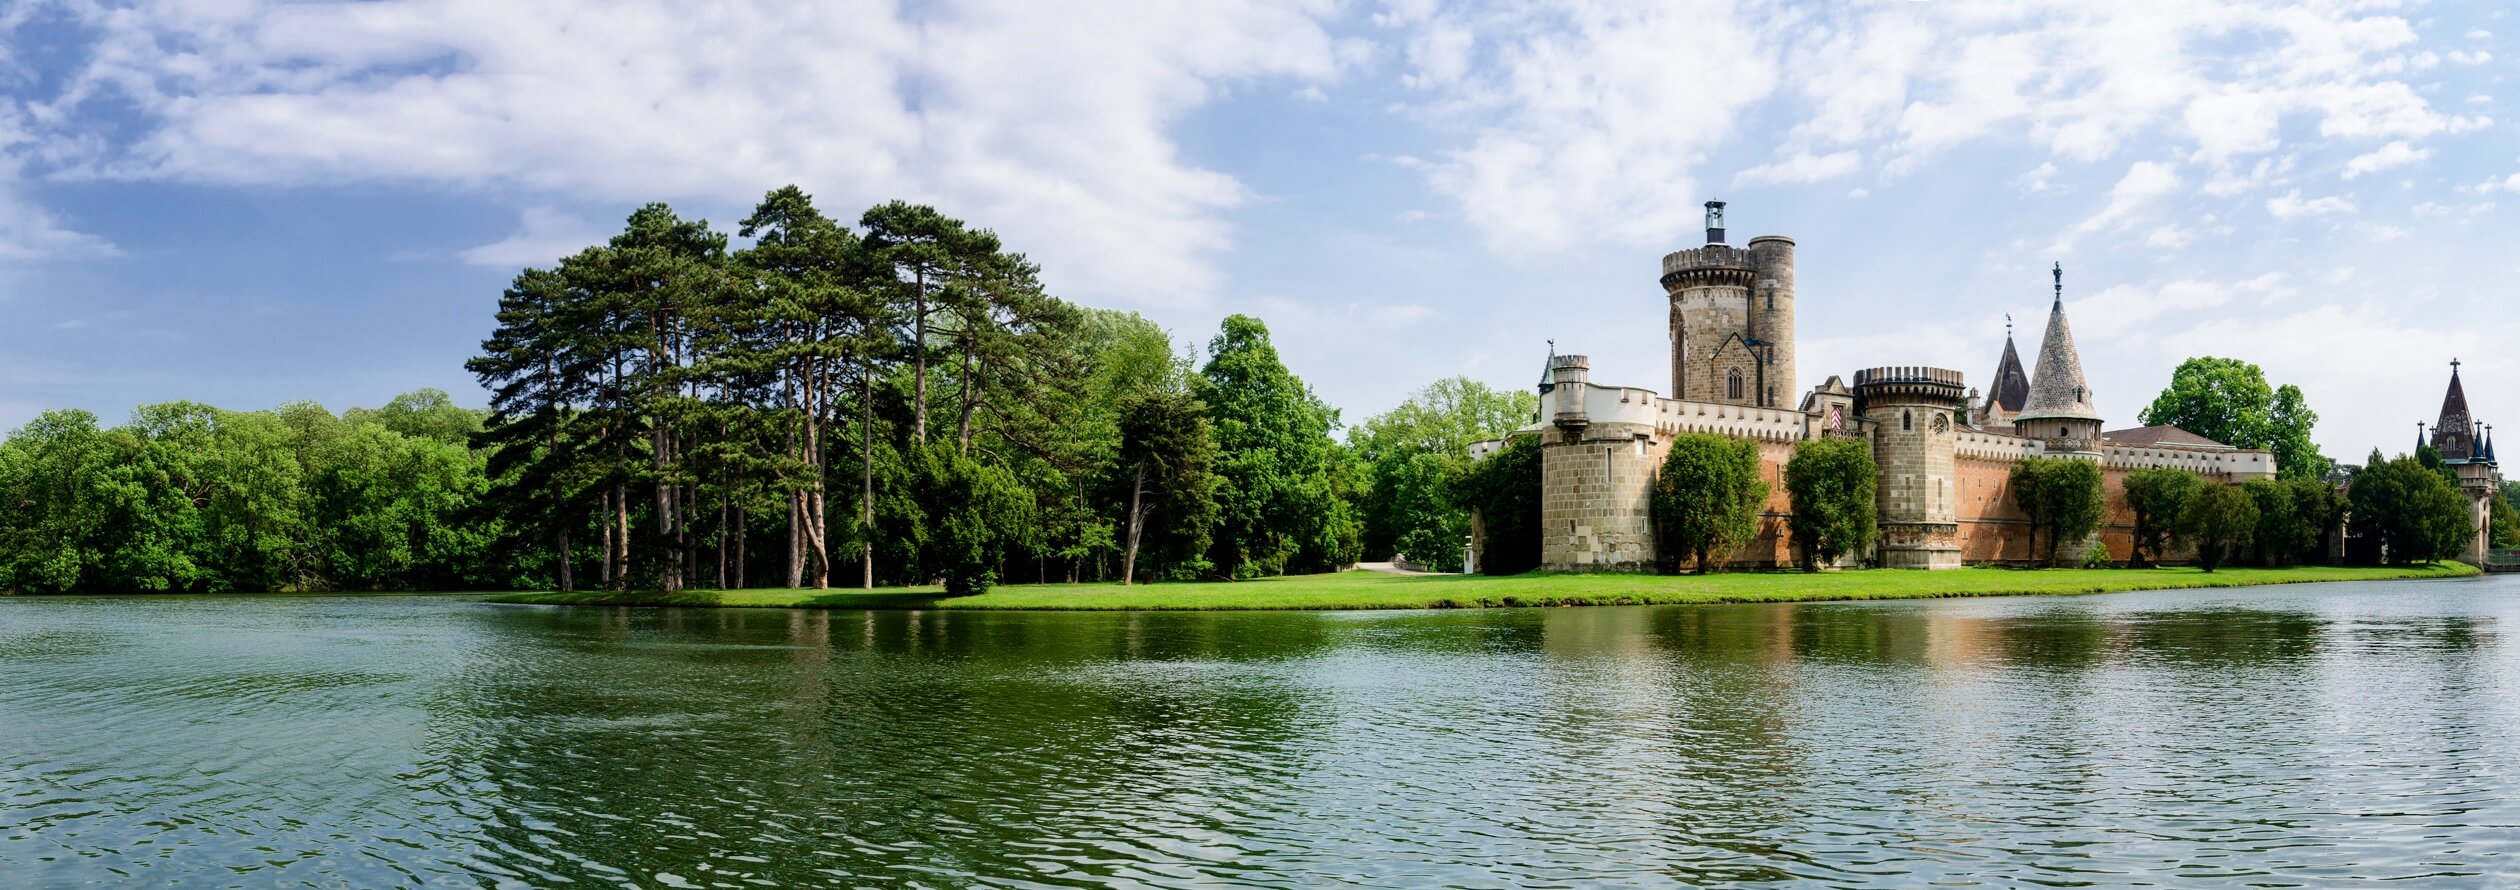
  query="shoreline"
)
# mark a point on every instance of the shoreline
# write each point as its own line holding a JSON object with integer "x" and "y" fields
{"x": 1363, "y": 590}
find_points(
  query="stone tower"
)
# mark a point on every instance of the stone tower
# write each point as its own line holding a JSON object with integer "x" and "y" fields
{"x": 2470, "y": 455}
{"x": 2059, "y": 412}
{"x": 1732, "y": 319}
{"x": 1914, "y": 416}
{"x": 1596, "y": 467}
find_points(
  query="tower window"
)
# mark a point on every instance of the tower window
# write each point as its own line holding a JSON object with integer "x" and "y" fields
{"x": 1732, "y": 385}
{"x": 1907, "y": 421}
{"x": 2060, "y": 432}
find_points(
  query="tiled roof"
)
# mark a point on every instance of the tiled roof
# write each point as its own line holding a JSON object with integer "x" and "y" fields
{"x": 2159, "y": 434}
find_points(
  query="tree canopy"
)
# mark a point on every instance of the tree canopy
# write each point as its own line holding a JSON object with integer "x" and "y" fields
{"x": 2229, "y": 401}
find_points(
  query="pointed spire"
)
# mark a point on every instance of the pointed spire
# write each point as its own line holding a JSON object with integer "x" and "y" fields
{"x": 2011, "y": 389}
{"x": 2058, "y": 389}
{"x": 2489, "y": 444}
{"x": 1547, "y": 380}
{"x": 2455, "y": 434}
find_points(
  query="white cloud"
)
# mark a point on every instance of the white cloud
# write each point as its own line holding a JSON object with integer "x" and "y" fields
{"x": 1580, "y": 122}
{"x": 1583, "y": 123}
{"x": 2126, "y": 309}
{"x": 2037, "y": 179}
{"x": 543, "y": 236}
{"x": 1048, "y": 122}
{"x": 2394, "y": 154}
{"x": 2359, "y": 402}
{"x": 2477, "y": 57}
{"x": 2379, "y": 231}
{"x": 2144, "y": 182}
{"x": 2292, "y": 205}
{"x": 1802, "y": 168}
{"x": 2508, "y": 183}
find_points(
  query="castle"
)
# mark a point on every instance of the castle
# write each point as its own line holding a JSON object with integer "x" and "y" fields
{"x": 1945, "y": 455}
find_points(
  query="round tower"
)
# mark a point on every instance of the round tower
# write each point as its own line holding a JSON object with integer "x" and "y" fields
{"x": 1772, "y": 313}
{"x": 1732, "y": 319}
{"x": 1913, "y": 413}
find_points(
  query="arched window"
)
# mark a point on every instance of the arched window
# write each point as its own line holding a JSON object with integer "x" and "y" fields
{"x": 2060, "y": 432}
{"x": 1732, "y": 385}
{"x": 1771, "y": 395}
{"x": 1907, "y": 421}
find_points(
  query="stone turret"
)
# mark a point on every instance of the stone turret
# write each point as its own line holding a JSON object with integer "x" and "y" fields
{"x": 1568, "y": 377}
{"x": 1914, "y": 416}
{"x": 2059, "y": 411}
{"x": 1732, "y": 319}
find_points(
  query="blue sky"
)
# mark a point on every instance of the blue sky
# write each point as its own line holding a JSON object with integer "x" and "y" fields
{"x": 247, "y": 203}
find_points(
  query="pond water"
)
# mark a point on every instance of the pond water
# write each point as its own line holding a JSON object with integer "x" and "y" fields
{"x": 2316, "y": 735}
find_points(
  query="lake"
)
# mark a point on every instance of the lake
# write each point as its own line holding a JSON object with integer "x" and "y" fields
{"x": 2314, "y": 735}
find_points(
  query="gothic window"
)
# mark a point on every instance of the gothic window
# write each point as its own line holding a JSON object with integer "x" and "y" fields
{"x": 2060, "y": 432}
{"x": 1732, "y": 385}
{"x": 1907, "y": 421}
{"x": 1771, "y": 396}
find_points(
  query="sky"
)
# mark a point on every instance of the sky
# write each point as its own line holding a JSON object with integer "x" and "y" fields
{"x": 247, "y": 203}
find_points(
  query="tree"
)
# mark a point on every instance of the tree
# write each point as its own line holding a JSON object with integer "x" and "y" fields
{"x": 2229, "y": 401}
{"x": 1831, "y": 483}
{"x": 2061, "y": 496}
{"x": 1168, "y": 454}
{"x": 975, "y": 512}
{"x": 2294, "y": 516}
{"x": 53, "y": 523}
{"x": 2219, "y": 519}
{"x": 1410, "y": 510}
{"x": 1412, "y": 455}
{"x": 1503, "y": 491}
{"x": 2416, "y": 515}
{"x": 2158, "y": 496}
{"x": 1278, "y": 507}
{"x": 2506, "y": 521}
{"x": 1706, "y": 500}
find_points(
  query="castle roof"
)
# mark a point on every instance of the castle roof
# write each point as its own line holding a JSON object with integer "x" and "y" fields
{"x": 2058, "y": 390}
{"x": 2011, "y": 389}
{"x": 2159, "y": 434}
{"x": 2455, "y": 435}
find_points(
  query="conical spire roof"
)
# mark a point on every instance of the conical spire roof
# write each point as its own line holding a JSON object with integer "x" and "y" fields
{"x": 2058, "y": 390}
{"x": 2012, "y": 383}
{"x": 2455, "y": 434}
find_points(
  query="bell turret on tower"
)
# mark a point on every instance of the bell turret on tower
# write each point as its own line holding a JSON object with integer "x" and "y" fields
{"x": 1732, "y": 319}
{"x": 2060, "y": 411}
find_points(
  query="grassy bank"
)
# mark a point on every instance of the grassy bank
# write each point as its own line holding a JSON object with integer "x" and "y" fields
{"x": 1368, "y": 590}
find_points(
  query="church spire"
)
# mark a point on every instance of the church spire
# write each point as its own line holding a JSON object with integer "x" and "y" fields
{"x": 2455, "y": 434}
{"x": 2058, "y": 390}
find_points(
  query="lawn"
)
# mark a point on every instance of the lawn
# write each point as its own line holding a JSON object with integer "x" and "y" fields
{"x": 1372, "y": 590}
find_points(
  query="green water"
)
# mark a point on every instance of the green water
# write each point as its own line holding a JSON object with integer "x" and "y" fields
{"x": 2320, "y": 735}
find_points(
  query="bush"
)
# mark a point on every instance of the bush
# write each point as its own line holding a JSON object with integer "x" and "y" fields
{"x": 1706, "y": 500}
{"x": 1835, "y": 513}
{"x": 1505, "y": 491}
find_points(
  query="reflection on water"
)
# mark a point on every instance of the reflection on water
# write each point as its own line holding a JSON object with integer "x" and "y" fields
{"x": 2316, "y": 735}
